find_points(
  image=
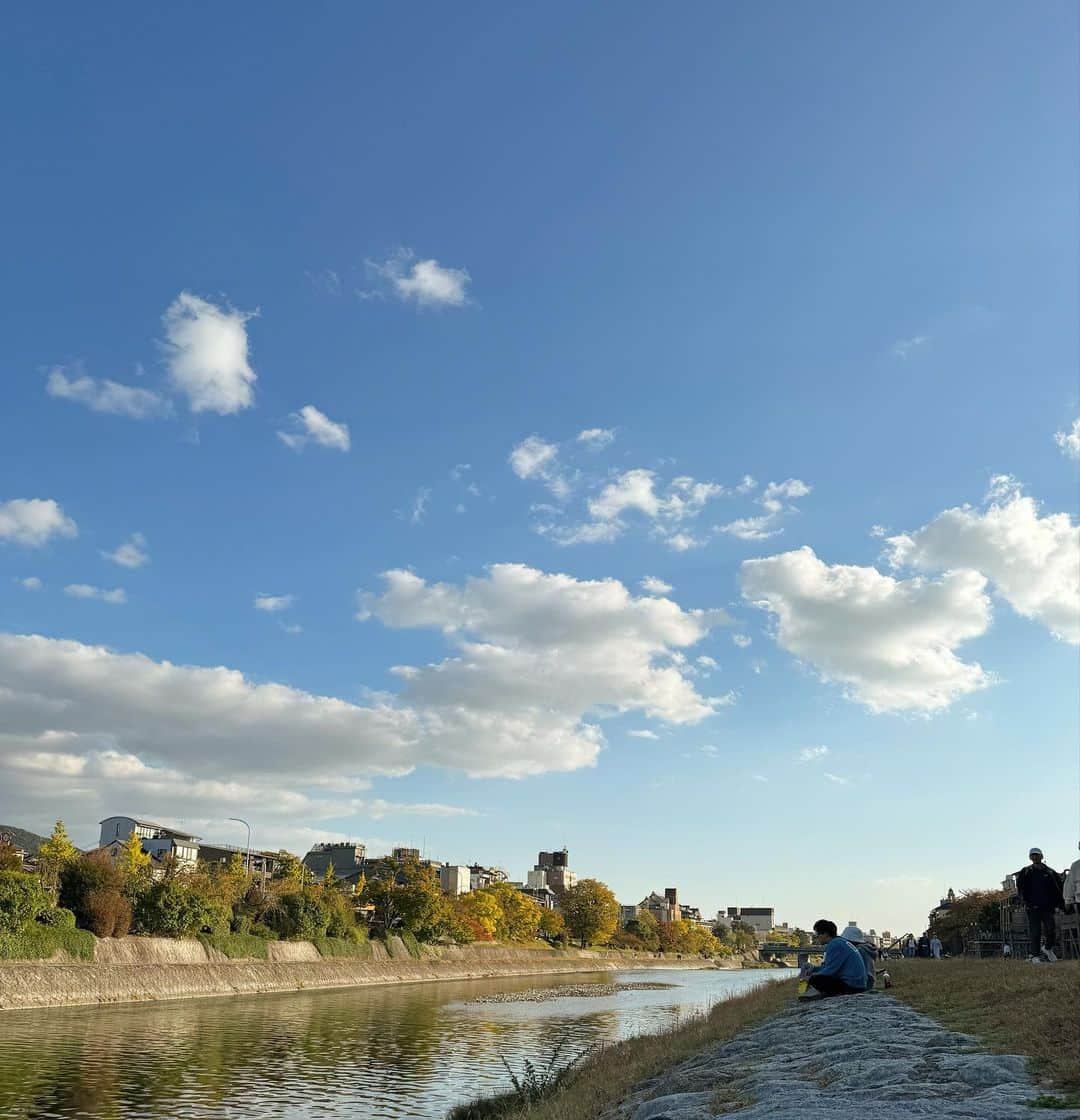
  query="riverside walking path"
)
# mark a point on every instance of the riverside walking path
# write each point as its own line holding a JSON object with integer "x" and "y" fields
{"x": 857, "y": 1058}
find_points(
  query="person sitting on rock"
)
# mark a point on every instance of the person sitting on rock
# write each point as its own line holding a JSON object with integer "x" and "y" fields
{"x": 842, "y": 972}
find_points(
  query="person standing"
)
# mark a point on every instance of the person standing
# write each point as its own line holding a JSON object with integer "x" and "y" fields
{"x": 1039, "y": 887}
{"x": 1071, "y": 889}
{"x": 935, "y": 947}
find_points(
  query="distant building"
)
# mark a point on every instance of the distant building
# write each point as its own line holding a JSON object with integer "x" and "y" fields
{"x": 628, "y": 914}
{"x": 402, "y": 854}
{"x": 664, "y": 908}
{"x": 265, "y": 865}
{"x": 690, "y": 913}
{"x": 760, "y": 919}
{"x": 349, "y": 860}
{"x": 552, "y": 870}
{"x": 160, "y": 842}
{"x": 544, "y": 896}
{"x": 455, "y": 879}
{"x": 480, "y": 877}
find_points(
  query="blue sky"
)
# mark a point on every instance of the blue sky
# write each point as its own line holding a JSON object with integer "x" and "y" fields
{"x": 771, "y": 305}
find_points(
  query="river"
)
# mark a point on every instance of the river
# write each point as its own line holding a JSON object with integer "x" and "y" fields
{"x": 408, "y": 1050}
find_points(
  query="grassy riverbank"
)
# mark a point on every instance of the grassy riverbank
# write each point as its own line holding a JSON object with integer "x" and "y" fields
{"x": 607, "y": 1077}
{"x": 1014, "y": 1007}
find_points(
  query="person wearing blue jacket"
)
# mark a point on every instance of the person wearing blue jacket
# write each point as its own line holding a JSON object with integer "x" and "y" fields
{"x": 842, "y": 972}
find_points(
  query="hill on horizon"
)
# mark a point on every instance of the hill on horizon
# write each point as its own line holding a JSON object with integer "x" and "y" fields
{"x": 22, "y": 838}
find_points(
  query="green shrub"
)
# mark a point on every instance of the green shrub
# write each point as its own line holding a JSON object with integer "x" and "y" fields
{"x": 171, "y": 908}
{"x": 236, "y": 946}
{"x": 92, "y": 888}
{"x": 300, "y": 916}
{"x": 22, "y": 899}
{"x": 57, "y": 917}
{"x": 411, "y": 944}
{"x": 37, "y": 942}
{"x": 344, "y": 947}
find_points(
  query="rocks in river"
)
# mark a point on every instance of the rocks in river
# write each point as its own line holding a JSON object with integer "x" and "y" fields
{"x": 571, "y": 991}
{"x": 862, "y": 1058}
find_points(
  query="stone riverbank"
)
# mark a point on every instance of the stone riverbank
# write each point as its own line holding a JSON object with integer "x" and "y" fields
{"x": 133, "y": 969}
{"x": 862, "y": 1058}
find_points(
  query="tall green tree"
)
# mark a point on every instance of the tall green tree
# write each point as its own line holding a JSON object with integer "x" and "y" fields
{"x": 55, "y": 854}
{"x": 591, "y": 911}
{"x": 519, "y": 914}
{"x": 10, "y": 860}
{"x": 407, "y": 899}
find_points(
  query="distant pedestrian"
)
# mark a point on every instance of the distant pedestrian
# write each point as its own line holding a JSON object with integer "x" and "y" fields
{"x": 1039, "y": 887}
{"x": 924, "y": 946}
{"x": 842, "y": 972}
{"x": 1071, "y": 889}
{"x": 935, "y": 947}
{"x": 910, "y": 946}
{"x": 1006, "y": 950}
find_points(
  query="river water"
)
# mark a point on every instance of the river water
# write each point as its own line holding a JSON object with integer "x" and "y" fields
{"x": 364, "y": 1053}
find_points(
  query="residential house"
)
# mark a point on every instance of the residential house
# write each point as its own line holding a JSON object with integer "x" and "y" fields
{"x": 160, "y": 842}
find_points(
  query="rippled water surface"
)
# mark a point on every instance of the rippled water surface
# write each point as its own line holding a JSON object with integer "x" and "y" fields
{"x": 393, "y": 1051}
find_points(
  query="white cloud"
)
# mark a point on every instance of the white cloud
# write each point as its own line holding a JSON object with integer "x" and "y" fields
{"x": 643, "y": 735}
{"x": 34, "y": 522}
{"x": 426, "y": 283}
{"x": 759, "y": 777}
{"x": 1032, "y": 560}
{"x": 419, "y": 508}
{"x": 107, "y": 396}
{"x": 535, "y": 657}
{"x": 655, "y": 586}
{"x": 836, "y": 779}
{"x": 313, "y": 426}
{"x": 774, "y": 499}
{"x": 709, "y": 750}
{"x": 746, "y": 485}
{"x": 905, "y": 346}
{"x": 742, "y": 640}
{"x": 890, "y": 643}
{"x": 207, "y": 350}
{"x": 878, "y": 532}
{"x": 1069, "y": 441}
{"x": 115, "y": 596}
{"x": 30, "y": 583}
{"x": 535, "y": 458}
{"x": 131, "y": 554}
{"x": 812, "y": 754}
{"x": 635, "y": 492}
{"x": 273, "y": 603}
{"x": 596, "y": 439}
{"x": 707, "y": 664}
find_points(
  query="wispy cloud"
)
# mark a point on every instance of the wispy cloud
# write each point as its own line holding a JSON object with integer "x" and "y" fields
{"x": 837, "y": 780}
{"x": 274, "y": 603}
{"x": 107, "y": 396}
{"x": 1069, "y": 441}
{"x": 423, "y": 282}
{"x": 644, "y": 735}
{"x": 30, "y": 583}
{"x": 596, "y": 439}
{"x": 309, "y": 425}
{"x": 131, "y": 554}
{"x": 812, "y": 754}
{"x": 114, "y": 596}
{"x": 903, "y": 347}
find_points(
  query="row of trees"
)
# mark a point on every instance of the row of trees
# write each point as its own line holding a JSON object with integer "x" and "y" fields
{"x": 112, "y": 898}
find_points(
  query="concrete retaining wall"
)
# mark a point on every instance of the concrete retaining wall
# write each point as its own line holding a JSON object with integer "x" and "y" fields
{"x": 133, "y": 969}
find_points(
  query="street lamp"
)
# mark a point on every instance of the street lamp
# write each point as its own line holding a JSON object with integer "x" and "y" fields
{"x": 247, "y": 861}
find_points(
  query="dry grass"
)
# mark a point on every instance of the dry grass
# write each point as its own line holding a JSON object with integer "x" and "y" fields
{"x": 1015, "y": 1007}
{"x": 609, "y": 1076}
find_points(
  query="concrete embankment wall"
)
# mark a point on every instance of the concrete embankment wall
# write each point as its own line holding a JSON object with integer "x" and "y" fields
{"x": 133, "y": 969}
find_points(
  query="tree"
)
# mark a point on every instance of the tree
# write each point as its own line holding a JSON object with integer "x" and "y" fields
{"x": 591, "y": 911}
{"x": 520, "y": 915}
{"x": 10, "y": 859}
{"x": 290, "y": 870}
{"x": 475, "y": 916}
{"x": 92, "y": 888}
{"x": 407, "y": 899}
{"x": 55, "y": 854}
{"x": 134, "y": 864}
{"x": 646, "y": 927}
{"x": 972, "y": 911}
{"x": 552, "y": 925}
{"x": 22, "y": 900}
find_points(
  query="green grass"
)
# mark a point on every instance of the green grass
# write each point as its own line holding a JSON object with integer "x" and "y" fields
{"x": 236, "y": 946}
{"x": 412, "y": 945}
{"x": 340, "y": 947}
{"x": 38, "y": 943}
{"x": 1013, "y": 1007}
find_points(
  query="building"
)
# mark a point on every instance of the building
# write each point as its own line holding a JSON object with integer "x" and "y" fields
{"x": 690, "y": 913}
{"x": 480, "y": 877}
{"x": 349, "y": 861}
{"x": 664, "y": 908}
{"x": 761, "y": 919}
{"x": 403, "y": 854}
{"x": 160, "y": 842}
{"x": 265, "y": 865}
{"x": 552, "y": 870}
{"x": 455, "y": 879}
{"x": 543, "y": 896}
{"x": 628, "y": 914}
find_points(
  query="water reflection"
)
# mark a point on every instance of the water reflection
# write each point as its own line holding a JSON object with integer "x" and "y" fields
{"x": 404, "y": 1051}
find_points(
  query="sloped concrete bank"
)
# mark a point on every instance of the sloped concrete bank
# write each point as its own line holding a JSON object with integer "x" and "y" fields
{"x": 863, "y": 1058}
{"x": 134, "y": 969}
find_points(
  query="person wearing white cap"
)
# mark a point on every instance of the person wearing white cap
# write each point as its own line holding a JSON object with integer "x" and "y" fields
{"x": 857, "y": 938}
{"x": 1039, "y": 887}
